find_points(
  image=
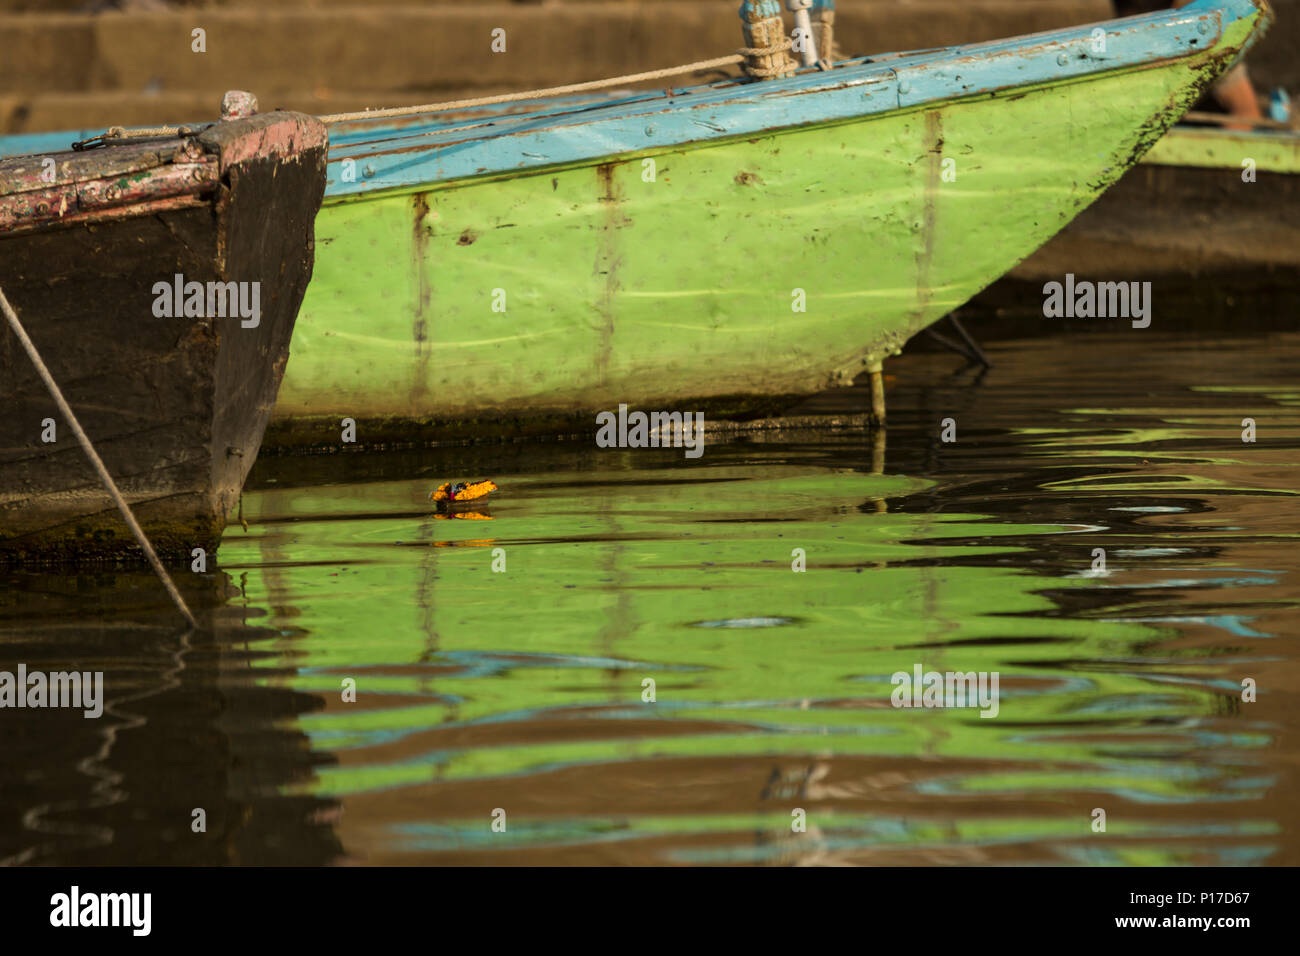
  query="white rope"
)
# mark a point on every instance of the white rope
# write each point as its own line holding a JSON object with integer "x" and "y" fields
{"x": 118, "y": 132}
{"x": 104, "y": 476}
{"x": 535, "y": 94}
{"x": 750, "y": 51}
{"x": 738, "y": 58}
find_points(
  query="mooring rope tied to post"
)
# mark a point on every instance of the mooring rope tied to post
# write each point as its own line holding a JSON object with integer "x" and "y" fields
{"x": 746, "y": 57}
{"x": 95, "y": 460}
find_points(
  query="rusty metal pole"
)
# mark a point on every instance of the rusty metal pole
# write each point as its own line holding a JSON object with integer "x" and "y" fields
{"x": 877, "y": 372}
{"x": 878, "y": 463}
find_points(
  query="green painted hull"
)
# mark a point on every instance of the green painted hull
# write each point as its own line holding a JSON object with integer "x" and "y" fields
{"x": 680, "y": 292}
{"x": 1209, "y": 148}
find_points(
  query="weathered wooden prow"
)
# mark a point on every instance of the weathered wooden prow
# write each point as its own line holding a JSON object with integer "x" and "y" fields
{"x": 96, "y": 247}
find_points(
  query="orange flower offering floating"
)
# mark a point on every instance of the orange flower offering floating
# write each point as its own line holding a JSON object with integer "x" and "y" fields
{"x": 453, "y": 492}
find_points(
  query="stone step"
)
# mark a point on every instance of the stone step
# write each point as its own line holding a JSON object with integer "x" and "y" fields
{"x": 448, "y": 44}
{"x": 69, "y": 70}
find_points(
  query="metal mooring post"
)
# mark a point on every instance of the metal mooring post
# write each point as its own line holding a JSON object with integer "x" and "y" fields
{"x": 765, "y": 40}
{"x": 803, "y": 26}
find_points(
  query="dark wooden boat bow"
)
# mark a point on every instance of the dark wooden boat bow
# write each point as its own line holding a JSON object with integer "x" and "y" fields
{"x": 175, "y": 399}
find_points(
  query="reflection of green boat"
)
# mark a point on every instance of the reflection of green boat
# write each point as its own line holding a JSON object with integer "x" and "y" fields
{"x": 735, "y": 239}
{"x": 460, "y": 650}
{"x": 524, "y": 688}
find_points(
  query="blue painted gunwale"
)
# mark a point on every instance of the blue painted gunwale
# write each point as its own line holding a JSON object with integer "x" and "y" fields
{"x": 33, "y": 144}
{"x": 421, "y": 153}
{"x": 37, "y": 143}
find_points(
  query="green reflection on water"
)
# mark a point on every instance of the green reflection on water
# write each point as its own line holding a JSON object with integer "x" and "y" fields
{"x": 614, "y": 581}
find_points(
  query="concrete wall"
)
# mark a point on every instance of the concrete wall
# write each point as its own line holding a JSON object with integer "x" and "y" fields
{"x": 65, "y": 70}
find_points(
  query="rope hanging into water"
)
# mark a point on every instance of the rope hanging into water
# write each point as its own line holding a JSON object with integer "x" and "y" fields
{"x": 95, "y": 460}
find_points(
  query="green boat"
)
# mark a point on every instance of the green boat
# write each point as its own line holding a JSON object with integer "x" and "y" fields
{"x": 719, "y": 247}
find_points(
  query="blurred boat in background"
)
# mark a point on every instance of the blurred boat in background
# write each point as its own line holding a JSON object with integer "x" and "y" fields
{"x": 1204, "y": 201}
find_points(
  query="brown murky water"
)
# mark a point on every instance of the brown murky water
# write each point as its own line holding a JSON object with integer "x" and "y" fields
{"x": 520, "y": 695}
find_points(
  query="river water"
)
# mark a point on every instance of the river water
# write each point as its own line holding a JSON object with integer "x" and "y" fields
{"x": 504, "y": 716}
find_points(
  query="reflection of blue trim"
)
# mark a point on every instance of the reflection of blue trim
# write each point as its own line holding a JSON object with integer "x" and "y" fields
{"x": 1202, "y": 854}
{"x": 1232, "y": 623}
{"x": 385, "y": 154}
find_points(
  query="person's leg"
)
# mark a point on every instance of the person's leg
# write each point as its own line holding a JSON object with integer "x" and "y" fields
{"x": 1234, "y": 91}
{"x": 1236, "y": 94}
